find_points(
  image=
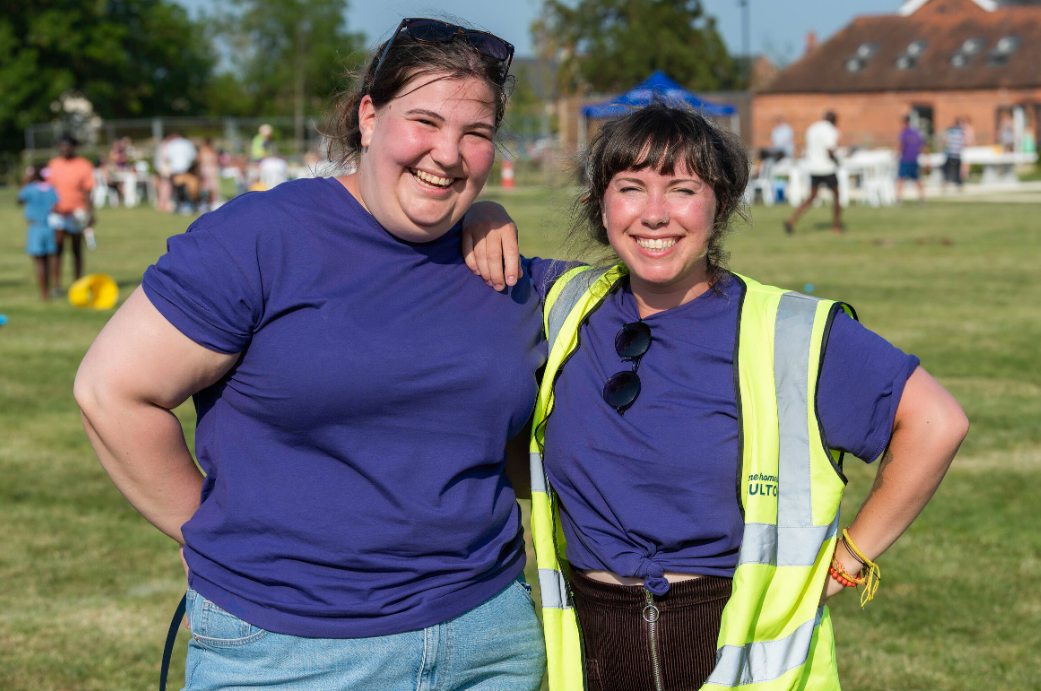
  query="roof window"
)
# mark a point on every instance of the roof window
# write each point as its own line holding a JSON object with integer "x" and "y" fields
{"x": 859, "y": 59}
{"x": 909, "y": 58}
{"x": 972, "y": 46}
{"x": 966, "y": 52}
{"x": 1002, "y": 52}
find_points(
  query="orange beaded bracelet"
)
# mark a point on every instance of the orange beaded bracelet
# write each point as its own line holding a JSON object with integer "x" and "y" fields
{"x": 840, "y": 575}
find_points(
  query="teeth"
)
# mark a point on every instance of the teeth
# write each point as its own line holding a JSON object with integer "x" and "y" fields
{"x": 656, "y": 244}
{"x": 433, "y": 180}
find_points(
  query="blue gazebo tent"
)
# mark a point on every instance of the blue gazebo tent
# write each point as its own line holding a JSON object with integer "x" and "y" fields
{"x": 661, "y": 85}
{"x": 658, "y": 85}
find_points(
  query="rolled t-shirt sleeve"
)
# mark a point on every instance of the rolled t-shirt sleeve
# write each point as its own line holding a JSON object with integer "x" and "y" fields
{"x": 860, "y": 386}
{"x": 208, "y": 285}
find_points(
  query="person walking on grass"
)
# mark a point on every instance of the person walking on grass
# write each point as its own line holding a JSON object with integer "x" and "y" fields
{"x": 39, "y": 199}
{"x": 910, "y": 146}
{"x": 73, "y": 179}
{"x": 822, "y": 140}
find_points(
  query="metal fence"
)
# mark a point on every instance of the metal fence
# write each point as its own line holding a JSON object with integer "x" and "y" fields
{"x": 518, "y": 137}
{"x": 231, "y": 134}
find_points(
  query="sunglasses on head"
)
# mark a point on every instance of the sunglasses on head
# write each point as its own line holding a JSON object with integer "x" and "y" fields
{"x": 436, "y": 31}
{"x": 623, "y": 388}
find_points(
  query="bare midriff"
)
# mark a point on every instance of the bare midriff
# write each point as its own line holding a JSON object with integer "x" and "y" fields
{"x": 612, "y": 577}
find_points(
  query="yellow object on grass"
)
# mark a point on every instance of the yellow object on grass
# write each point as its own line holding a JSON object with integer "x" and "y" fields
{"x": 95, "y": 290}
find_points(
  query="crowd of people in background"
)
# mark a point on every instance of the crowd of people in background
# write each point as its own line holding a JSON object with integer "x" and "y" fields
{"x": 823, "y": 158}
{"x": 182, "y": 177}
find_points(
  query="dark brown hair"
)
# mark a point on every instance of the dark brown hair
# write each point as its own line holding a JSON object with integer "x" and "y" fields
{"x": 408, "y": 59}
{"x": 664, "y": 137}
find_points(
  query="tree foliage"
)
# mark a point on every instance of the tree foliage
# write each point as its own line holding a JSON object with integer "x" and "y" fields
{"x": 129, "y": 58}
{"x": 610, "y": 45}
{"x": 272, "y": 43}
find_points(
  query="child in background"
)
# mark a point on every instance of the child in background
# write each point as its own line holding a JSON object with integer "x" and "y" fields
{"x": 39, "y": 199}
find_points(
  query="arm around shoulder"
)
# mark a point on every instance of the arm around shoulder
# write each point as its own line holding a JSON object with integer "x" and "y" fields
{"x": 138, "y": 370}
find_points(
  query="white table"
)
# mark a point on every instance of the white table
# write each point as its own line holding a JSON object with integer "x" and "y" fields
{"x": 998, "y": 166}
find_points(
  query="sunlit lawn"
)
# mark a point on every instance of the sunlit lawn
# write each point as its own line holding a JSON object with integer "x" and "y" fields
{"x": 87, "y": 587}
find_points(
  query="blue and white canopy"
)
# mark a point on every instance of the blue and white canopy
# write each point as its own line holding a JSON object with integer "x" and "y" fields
{"x": 658, "y": 84}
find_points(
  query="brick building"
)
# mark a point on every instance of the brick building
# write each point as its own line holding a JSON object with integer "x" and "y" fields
{"x": 935, "y": 60}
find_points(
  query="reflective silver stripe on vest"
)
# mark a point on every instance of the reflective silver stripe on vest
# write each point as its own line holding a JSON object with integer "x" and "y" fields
{"x": 538, "y": 474}
{"x": 554, "y": 589}
{"x": 764, "y": 661}
{"x": 795, "y": 315}
{"x": 794, "y": 540}
{"x": 763, "y": 543}
{"x": 569, "y": 296}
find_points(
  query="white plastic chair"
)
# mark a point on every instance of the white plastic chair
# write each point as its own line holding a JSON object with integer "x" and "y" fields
{"x": 762, "y": 183}
{"x": 100, "y": 194}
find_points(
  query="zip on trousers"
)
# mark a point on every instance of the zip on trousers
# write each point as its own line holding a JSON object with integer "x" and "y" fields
{"x": 650, "y": 615}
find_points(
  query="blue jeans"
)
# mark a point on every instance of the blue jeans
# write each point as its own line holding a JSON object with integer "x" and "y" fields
{"x": 496, "y": 646}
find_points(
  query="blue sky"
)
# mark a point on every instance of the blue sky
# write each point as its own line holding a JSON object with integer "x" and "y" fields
{"x": 776, "y": 25}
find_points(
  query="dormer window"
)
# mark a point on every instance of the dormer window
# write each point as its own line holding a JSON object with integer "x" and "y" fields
{"x": 966, "y": 52}
{"x": 1003, "y": 51}
{"x": 909, "y": 58}
{"x": 859, "y": 59}
{"x": 972, "y": 46}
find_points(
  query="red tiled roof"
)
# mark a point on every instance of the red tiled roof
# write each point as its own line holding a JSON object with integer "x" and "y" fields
{"x": 945, "y": 25}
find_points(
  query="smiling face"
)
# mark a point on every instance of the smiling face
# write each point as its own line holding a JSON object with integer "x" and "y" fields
{"x": 427, "y": 154}
{"x": 660, "y": 225}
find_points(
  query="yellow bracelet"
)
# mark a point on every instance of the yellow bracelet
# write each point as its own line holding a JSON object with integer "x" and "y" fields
{"x": 874, "y": 574}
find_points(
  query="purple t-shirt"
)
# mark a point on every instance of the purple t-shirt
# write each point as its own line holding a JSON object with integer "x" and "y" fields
{"x": 910, "y": 145}
{"x": 653, "y": 490}
{"x": 354, "y": 455}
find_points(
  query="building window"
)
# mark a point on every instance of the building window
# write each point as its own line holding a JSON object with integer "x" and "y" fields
{"x": 966, "y": 52}
{"x": 1003, "y": 51}
{"x": 859, "y": 59}
{"x": 909, "y": 58}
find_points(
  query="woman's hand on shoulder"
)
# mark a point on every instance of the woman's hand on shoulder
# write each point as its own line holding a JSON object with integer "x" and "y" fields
{"x": 490, "y": 246}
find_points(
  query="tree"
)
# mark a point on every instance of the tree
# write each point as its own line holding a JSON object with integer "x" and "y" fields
{"x": 610, "y": 45}
{"x": 291, "y": 56}
{"x": 127, "y": 57}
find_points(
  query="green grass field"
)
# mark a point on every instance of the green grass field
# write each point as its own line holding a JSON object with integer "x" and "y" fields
{"x": 87, "y": 587}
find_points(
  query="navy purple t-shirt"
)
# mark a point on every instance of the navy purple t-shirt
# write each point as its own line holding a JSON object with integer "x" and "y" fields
{"x": 910, "y": 145}
{"x": 354, "y": 455}
{"x": 652, "y": 491}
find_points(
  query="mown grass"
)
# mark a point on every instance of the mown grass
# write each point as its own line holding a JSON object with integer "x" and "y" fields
{"x": 88, "y": 586}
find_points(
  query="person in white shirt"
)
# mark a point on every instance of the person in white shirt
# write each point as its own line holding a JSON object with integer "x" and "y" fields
{"x": 179, "y": 154}
{"x": 782, "y": 139}
{"x": 822, "y": 139}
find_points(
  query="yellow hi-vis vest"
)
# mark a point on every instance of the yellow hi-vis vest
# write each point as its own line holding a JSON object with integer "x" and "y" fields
{"x": 773, "y": 634}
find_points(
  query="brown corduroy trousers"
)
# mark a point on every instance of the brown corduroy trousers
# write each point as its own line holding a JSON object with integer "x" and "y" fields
{"x": 630, "y": 646}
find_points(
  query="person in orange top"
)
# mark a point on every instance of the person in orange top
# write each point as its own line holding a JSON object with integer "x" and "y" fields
{"x": 73, "y": 178}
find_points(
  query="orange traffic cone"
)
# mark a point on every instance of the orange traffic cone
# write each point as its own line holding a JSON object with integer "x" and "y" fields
{"x": 508, "y": 183}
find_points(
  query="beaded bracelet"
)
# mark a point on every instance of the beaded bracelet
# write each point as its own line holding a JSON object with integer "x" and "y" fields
{"x": 842, "y": 576}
